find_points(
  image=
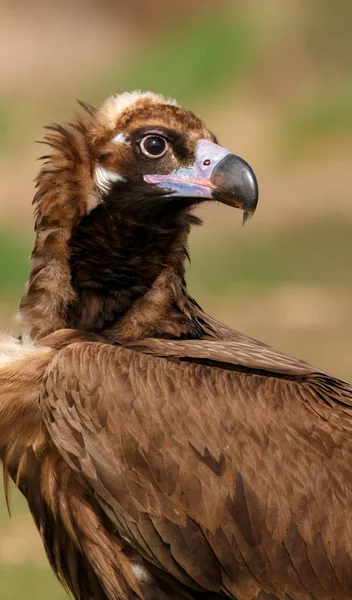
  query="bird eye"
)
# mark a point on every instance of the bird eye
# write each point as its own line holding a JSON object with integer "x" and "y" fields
{"x": 154, "y": 146}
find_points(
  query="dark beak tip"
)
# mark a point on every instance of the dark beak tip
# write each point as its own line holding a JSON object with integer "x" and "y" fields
{"x": 247, "y": 217}
{"x": 236, "y": 179}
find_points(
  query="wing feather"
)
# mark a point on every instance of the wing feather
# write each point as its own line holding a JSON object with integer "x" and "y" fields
{"x": 221, "y": 474}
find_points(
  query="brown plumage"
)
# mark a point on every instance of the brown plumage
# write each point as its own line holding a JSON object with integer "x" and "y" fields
{"x": 162, "y": 454}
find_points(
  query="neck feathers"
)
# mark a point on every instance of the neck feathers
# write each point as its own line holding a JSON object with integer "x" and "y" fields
{"x": 116, "y": 261}
{"x": 96, "y": 269}
{"x": 65, "y": 192}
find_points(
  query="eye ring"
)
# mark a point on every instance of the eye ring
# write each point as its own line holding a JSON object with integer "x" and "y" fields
{"x": 154, "y": 146}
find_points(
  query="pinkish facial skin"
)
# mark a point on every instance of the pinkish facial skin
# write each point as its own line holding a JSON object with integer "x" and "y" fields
{"x": 194, "y": 180}
{"x": 216, "y": 174}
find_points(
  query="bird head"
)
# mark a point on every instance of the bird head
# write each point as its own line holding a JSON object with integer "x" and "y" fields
{"x": 113, "y": 207}
{"x": 150, "y": 153}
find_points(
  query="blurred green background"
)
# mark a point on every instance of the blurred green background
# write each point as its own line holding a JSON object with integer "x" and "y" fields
{"x": 273, "y": 81}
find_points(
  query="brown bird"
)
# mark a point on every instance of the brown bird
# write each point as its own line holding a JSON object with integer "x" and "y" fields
{"x": 163, "y": 455}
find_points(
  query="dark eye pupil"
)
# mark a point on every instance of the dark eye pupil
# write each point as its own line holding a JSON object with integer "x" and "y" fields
{"x": 154, "y": 145}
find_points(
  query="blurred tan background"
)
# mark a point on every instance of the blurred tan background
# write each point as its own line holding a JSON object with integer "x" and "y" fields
{"x": 273, "y": 80}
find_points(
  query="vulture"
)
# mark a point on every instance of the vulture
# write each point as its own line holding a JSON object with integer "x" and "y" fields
{"x": 163, "y": 455}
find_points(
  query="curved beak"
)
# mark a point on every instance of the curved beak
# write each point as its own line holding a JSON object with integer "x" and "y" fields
{"x": 216, "y": 174}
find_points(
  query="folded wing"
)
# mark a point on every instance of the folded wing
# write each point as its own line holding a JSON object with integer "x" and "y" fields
{"x": 220, "y": 464}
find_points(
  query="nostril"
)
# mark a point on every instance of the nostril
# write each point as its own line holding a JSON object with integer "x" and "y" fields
{"x": 206, "y": 162}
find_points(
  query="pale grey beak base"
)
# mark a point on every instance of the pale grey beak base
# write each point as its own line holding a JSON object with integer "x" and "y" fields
{"x": 216, "y": 174}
